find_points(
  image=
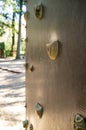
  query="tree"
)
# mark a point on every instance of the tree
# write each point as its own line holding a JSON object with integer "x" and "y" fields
{"x": 10, "y": 17}
{"x": 2, "y": 31}
{"x": 13, "y": 33}
{"x": 4, "y": 23}
{"x": 19, "y": 33}
{"x": 16, "y": 10}
{"x": 13, "y": 5}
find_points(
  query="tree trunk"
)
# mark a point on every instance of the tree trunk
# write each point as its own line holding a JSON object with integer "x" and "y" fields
{"x": 13, "y": 34}
{"x": 19, "y": 33}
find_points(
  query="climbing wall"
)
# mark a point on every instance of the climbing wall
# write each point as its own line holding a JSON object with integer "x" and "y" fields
{"x": 56, "y": 64}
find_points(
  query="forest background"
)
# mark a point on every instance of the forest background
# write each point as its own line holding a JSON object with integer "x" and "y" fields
{"x": 13, "y": 27}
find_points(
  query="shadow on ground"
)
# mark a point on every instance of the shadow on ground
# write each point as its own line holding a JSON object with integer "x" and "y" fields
{"x": 12, "y": 96}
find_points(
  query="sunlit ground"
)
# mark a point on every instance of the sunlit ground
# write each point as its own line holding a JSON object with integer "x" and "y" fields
{"x": 12, "y": 96}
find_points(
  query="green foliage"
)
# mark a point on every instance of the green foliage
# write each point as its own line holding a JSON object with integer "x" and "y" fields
{"x": 7, "y": 53}
{"x": 2, "y": 31}
{"x": 7, "y": 49}
{"x": 3, "y": 24}
{"x": 11, "y": 10}
{"x": 3, "y": 27}
{"x": 7, "y": 46}
{"x": 6, "y": 16}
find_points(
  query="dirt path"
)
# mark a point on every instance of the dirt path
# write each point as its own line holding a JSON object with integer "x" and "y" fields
{"x": 12, "y": 95}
